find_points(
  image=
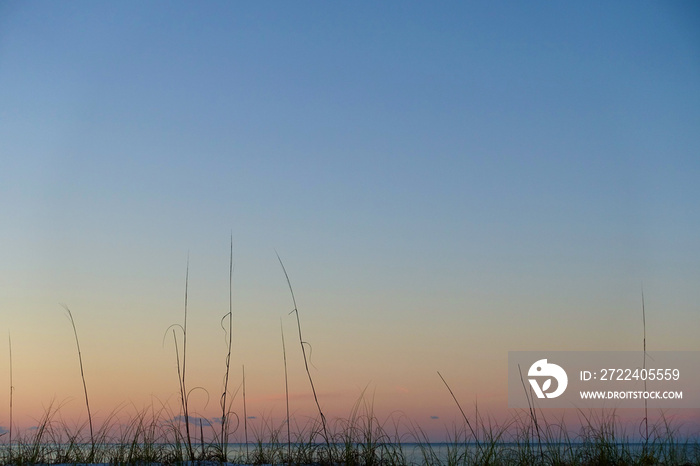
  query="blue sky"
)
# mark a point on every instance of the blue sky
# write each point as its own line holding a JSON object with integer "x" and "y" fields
{"x": 488, "y": 175}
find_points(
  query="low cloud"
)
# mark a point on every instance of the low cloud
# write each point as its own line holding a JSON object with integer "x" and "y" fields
{"x": 194, "y": 420}
{"x": 434, "y": 417}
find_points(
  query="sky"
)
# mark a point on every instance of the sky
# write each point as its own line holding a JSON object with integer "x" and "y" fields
{"x": 444, "y": 183}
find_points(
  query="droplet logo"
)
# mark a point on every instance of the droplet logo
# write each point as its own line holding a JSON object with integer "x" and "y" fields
{"x": 541, "y": 369}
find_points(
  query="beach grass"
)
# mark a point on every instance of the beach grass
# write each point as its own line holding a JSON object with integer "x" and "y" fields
{"x": 155, "y": 436}
{"x": 159, "y": 435}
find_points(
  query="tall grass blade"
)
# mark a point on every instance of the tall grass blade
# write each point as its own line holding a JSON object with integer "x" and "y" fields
{"x": 286, "y": 395}
{"x": 303, "y": 351}
{"x": 12, "y": 389}
{"x": 224, "y": 408}
{"x": 245, "y": 418}
{"x": 185, "y": 393}
{"x": 533, "y": 411}
{"x": 644, "y": 366}
{"x": 82, "y": 375}
{"x": 476, "y": 438}
{"x": 182, "y": 367}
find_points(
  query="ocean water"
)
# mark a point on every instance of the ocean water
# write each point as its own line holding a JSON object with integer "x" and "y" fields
{"x": 678, "y": 453}
{"x": 471, "y": 453}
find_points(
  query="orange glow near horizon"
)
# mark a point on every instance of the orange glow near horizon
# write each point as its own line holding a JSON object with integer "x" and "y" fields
{"x": 130, "y": 376}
